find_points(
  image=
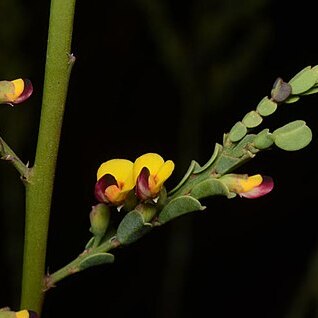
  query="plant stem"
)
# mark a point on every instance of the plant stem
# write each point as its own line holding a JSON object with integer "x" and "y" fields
{"x": 8, "y": 154}
{"x": 74, "y": 266}
{"x": 40, "y": 187}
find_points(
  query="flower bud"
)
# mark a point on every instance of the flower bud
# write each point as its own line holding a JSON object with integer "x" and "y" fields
{"x": 99, "y": 218}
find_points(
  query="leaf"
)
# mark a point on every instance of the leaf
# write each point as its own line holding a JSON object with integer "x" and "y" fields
{"x": 293, "y": 136}
{"x": 312, "y": 90}
{"x": 237, "y": 132}
{"x": 252, "y": 119}
{"x": 132, "y": 227}
{"x": 226, "y": 163}
{"x": 217, "y": 149}
{"x": 240, "y": 149}
{"x": 90, "y": 243}
{"x": 210, "y": 187}
{"x": 303, "y": 80}
{"x": 266, "y": 107}
{"x": 96, "y": 259}
{"x": 263, "y": 139}
{"x": 292, "y": 99}
{"x": 179, "y": 206}
{"x": 191, "y": 168}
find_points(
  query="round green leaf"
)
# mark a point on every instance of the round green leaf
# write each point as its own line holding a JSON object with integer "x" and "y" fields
{"x": 266, "y": 107}
{"x": 237, "y": 132}
{"x": 179, "y": 206}
{"x": 132, "y": 227}
{"x": 313, "y": 90}
{"x": 96, "y": 259}
{"x": 209, "y": 187}
{"x": 292, "y": 99}
{"x": 303, "y": 81}
{"x": 263, "y": 139}
{"x": 252, "y": 119}
{"x": 293, "y": 136}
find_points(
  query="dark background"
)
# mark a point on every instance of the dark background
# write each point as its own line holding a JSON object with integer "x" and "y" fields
{"x": 168, "y": 77}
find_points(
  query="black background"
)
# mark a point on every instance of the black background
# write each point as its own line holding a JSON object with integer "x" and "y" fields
{"x": 244, "y": 258}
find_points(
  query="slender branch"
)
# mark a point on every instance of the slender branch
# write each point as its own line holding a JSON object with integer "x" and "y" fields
{"x": 8, "y": 154}
{"x": 39, "y": 190}
{"x": 74, "y": 266}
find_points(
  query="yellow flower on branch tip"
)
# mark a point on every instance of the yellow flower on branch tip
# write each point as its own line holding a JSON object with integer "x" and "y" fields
{"x": 114, "y": 181}
{"x": 249, "y": 187}
{"x": 150, "y": 173}
{"x": 16, "y": 91}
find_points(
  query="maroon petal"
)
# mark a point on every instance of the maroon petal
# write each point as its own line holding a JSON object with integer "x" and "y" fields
{"x": 32, "y": 314}
{"x": 101, "y": 185}
{"x": 265, "y": 187}
{"x": 142, "y": 185}
{"x": 27, "y": 92}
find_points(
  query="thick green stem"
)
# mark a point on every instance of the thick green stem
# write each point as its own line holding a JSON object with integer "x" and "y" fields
{"x": 40, "y": 187}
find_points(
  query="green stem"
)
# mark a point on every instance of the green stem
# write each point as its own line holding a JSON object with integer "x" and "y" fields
{"x": 9, "y": 155}
{"x": 40, "y": 187}
{"x": 74, "y": 266}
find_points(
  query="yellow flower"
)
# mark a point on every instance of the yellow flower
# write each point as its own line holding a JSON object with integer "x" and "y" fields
{"x": 114, "y": 181}
{"x": 150, "y": 172}
{"x": 26, "y": 314}
{"x": 248, "y": 187}
{"x": 16, "y": 91}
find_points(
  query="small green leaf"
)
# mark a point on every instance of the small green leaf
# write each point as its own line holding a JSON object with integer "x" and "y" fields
{"x": 132, "y": 227}
{"x": 90, "y": 243}
{"x": 240, "y": 149}
{"x": 252, "y": 119}
{"x": 209, "y": 187}
{"x": 263, "y": 139}
{"x": 194, "y": 165}
{"x": 303, "y": 80}
{"x": 237, "y": 132}
{"x": 292, "y": 99}
{"x": 226, "y": 163}
{"x": 179, "y": 206}
{"x": 266, "y": 107}
{"x": 293, "y": 136}
{"x": 96, "y": 259}
{"x": 217, "y": 150}
{"x": 313, "y": 90}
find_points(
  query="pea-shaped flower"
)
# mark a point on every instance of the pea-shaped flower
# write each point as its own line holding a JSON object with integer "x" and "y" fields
{"x": 114, "y": 181}
{"x": 15, "y": 92}
{"x": 150, "y": 173}
{"x": 7, "y": 313}
{"x": 249, "y": 187}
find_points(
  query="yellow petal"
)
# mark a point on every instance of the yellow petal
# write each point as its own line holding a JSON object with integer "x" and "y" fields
{"x": 251, "y": 182}
{"x": 121, "y": 170}
{"x": 16, "y": 91}
{"x": 152, "y": 161}
{"x": 22, "y": 314}
{"x": 162, "y": 175}
{"x": 115, "y": 195}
